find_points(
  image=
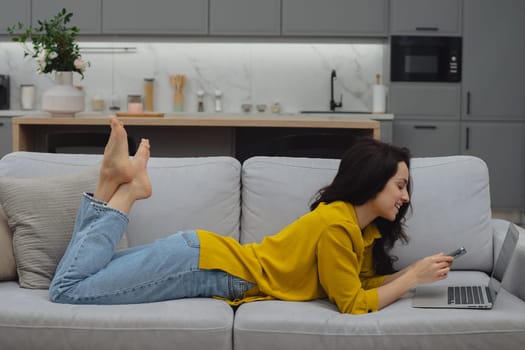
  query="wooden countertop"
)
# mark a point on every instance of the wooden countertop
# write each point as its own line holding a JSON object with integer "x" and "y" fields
{"x": 357, "y": 121}
{"x": 29, "y": 131}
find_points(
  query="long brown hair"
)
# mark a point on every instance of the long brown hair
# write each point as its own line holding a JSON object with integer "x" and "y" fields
{"x": 363, "y": 172}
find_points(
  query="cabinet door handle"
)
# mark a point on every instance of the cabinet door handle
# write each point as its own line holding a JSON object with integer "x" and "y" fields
{"x": 427, "y": 29}
{"x": 467, "y": 138}
{"x": 425, "y": 127}
{"x": 468, "y": 103}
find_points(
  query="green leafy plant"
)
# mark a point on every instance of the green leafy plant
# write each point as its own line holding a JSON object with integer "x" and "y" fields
{"x": 54, "y": 45}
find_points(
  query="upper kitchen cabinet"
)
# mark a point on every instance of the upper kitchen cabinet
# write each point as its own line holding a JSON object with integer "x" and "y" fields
{"x": 14, "y": 11}
{"x": 245, "y": 17}
{"x": 183, "y": 17}
{"x": 494, "y": 60}
{"x": 334, "y": 17}
{"x": 426, "y": 17}
{"x": 86, "y": 14}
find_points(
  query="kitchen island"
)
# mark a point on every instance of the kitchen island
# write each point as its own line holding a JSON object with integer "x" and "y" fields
{"x": 195, "y": 134}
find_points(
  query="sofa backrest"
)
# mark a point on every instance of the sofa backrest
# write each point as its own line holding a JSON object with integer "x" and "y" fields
{"x": 451, "y": 203}
{"x": 188, "y": 193}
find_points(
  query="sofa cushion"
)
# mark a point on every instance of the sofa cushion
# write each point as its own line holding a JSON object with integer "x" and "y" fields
{"x": 319, "y": 325}
{"x": 451, "y": 203}
{"x": 7, "y": 257}
{"x": 28, "y": 320}
{"x": 450, "y": 208}
{"x": 278, "y": 190}
{"x": 41, "y": 214}
{"x": 188, "y": 193}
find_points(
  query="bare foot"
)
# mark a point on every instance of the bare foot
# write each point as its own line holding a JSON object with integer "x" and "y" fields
{"x": 139, "y": 187}
{"x": 116, "y": 167}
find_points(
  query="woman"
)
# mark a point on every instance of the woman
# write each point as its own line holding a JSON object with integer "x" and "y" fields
{"x": 338, "y": 250}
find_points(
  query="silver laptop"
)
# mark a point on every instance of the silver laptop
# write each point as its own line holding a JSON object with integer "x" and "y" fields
{"x": 470, "y": 296}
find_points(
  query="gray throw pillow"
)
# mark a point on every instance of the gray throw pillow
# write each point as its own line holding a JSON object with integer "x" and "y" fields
{"x": 41, "y": 214}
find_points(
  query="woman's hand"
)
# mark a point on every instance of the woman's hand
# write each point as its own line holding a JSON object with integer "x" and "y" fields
{"x": 431, "y": 268}
{"x": 427, "y": 270}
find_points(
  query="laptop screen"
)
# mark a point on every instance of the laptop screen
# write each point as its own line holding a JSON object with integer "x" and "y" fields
{"x": 505, "y": 254}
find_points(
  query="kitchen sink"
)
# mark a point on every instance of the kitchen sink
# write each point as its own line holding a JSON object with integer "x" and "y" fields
{"x": 335, "y": 112}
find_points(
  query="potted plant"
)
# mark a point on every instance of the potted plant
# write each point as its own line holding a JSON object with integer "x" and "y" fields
{"x": 55, "y": 49}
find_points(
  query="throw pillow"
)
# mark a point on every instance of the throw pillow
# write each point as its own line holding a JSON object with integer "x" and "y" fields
{"x": 41, "y": 214}
{"x": 7, "y": 258}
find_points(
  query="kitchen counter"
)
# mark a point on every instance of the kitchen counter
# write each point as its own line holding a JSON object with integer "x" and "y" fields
{"x": 30, "y": 132}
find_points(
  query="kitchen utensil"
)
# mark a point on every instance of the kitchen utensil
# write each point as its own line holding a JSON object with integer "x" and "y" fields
{"x": 177, "y": 83}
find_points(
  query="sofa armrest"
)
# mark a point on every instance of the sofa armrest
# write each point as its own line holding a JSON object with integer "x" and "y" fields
{"x": 514, "y": 280}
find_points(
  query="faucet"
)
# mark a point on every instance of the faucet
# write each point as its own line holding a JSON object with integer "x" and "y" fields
{"x": 333, "y": 104}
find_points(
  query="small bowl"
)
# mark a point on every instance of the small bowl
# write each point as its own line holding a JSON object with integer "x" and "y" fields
{"x": 246, "y": 107}
{"x": 261, "y": 108}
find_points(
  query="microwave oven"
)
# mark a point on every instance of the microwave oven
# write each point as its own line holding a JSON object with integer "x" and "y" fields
{"x": 425, "y": 58}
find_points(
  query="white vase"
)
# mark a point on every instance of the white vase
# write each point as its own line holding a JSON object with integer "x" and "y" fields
{"x": 63, "y": 99}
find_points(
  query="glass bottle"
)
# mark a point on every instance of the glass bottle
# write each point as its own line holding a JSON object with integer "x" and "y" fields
{"x": 148, "y": 94}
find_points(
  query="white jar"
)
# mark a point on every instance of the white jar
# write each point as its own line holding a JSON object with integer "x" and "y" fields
{"x": 27, "y": 96}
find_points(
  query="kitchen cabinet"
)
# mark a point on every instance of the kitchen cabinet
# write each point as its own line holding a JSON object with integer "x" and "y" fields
{"x": 426, "y": 17}
{"x": 425, "y": 100}
{"x": 245, "y": 17}
{"x": 502, "y": 146}
{"x": 14, "y": 11}
{"x": 428, "y": 138}
{"x": 494, "y": 60}
{"x": 334, "y": 17}
{"x": 6, "y": 139}
{"x": 183, "y": 17}
{"x": 86, "y": 14}
{"x": 427, "y": 117}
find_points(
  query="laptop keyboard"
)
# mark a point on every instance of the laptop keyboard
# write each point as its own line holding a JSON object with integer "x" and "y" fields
{"x": 466, "y": 295}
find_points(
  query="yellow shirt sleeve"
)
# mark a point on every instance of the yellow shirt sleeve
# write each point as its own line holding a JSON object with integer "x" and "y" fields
{"x": 338, "y": 263}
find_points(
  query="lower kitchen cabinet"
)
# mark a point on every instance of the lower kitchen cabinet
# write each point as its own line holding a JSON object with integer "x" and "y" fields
{"x": 6, "y": 139}
{"x": 502, "y": 146}
{"x": 427, "y": 138}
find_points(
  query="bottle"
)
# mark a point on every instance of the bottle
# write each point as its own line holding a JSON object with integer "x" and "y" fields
{"x": 27, "y": 96}
{"x": 200, "y": 101}
{"x": 218, "y": 101}
{"x": 148, "y": 94}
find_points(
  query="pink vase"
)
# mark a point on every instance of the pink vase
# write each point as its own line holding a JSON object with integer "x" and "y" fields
{"x": 63, "y": 99}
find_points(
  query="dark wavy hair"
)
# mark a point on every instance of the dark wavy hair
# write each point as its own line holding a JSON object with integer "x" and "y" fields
{"x": 364, "y": 170}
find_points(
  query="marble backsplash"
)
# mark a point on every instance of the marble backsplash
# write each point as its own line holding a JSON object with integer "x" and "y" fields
{"x": 297, "y": 75}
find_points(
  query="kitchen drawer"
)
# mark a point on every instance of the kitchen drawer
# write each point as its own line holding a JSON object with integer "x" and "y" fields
{"x": 428, "y": 138}
{"x": 421, "y": 100}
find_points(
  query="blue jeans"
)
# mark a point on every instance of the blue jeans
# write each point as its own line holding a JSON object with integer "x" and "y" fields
{"x": 90, "y": 271}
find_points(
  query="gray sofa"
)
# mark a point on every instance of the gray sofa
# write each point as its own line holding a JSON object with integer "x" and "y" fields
{"x": 450, "y": 208}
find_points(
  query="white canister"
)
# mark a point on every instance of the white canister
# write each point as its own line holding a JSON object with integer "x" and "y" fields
{"x": 27, "y": 96}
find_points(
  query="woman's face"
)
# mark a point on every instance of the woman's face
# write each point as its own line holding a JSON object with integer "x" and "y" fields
{"x": 395, "y": 193}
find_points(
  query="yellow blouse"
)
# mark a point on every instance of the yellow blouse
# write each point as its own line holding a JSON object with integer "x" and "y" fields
{"x": 321, "y": 254}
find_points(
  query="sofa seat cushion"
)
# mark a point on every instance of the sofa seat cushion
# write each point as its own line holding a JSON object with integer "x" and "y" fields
{"x": 319, "y": 325}
{"x": 28, "y": 320}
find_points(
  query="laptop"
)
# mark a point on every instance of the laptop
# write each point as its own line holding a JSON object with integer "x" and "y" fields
{"x": 470, "y": 296}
